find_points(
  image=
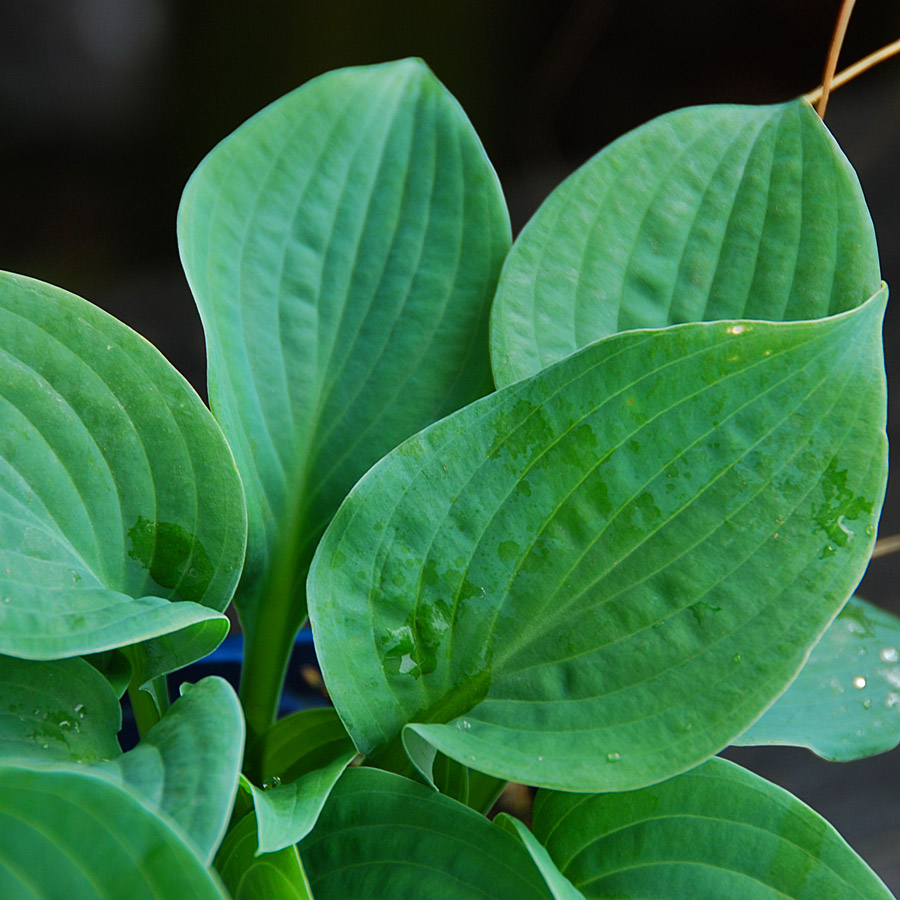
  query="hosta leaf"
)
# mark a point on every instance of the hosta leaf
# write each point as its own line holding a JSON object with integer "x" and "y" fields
{"x": 845, "y": 703}
{"x": 717, "y": 831}
{"x": 380, "y": 835}
{"x": 560, "y": 886}
{"x": 299, "y": 760}
{"x": 599, "y": 576}
{"x": 115, "y": 667}
{"x": 187, "y": 765}
{"x": 56, "y": 711}
{"x": 714, "y": 212}
{"x": 118, "y": 493}
{"x": 343, "y": 247}
{"x": 68, "y": 834}
{"x": 272, "y": 876}
{"x": 299, "y": 743}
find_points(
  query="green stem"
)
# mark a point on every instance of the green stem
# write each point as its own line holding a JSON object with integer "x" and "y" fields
{"x": 267, "y": 650}
{"x": 145, "y": 713}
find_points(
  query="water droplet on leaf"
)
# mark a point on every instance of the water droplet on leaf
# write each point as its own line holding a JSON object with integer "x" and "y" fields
{"x": 859, "y": 682}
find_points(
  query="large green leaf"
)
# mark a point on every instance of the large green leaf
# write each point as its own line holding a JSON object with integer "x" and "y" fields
{"x": 56, "y": 711}
{"x": 270, "y": 876}
{"x": 383, "y": 836}
{"x": 599, "y": 576}
{"x": 68, "y": 834}
{"x": 343, "y": 247}
{"x": 298, "y": 761}
{"x": 118, "y": 493}
{"x": 186, "y": 767}
{"x": 845, "y": 703}
{"x": 717, "y": 831}
{"x": 715, "y": 212}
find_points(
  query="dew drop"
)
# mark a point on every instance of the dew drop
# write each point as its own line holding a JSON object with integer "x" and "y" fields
{"x": 889, "y": 655}
{"x": 65, "y": 723}
{"x": 79, "y": 710}
{"x": 867, "y": 703}
{"x": 613, "y": 757}
{"x": 736, "y": 329}
{"x": 893, "y": 699}
{"x": 464, "y": 725}
{"x": 272, "y": 782}
{"x": 737, "y": 657}
{"x": 540, "y": 759}
{"x": 859, "y": 682}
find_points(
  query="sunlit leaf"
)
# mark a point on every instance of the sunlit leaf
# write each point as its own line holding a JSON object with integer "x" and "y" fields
{"x": 343, "y": 247}
{"x": 601, "y": 575}
{"x": 712, "y": 212}
{"x": 845, "y": 703}
{"x": 717, "y": 831}
{"x": 118, "y": 493}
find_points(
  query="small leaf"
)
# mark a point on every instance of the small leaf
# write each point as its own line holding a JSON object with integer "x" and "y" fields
{"x": 186, "y": 767}
{"x": 380, "y": 835}
{"x": 560, "y": 886}
{"x": 297, "y": 744}
{"x": 58, "y": 711}
{"x": 343, "y": 247}
{"x": 118, "y": 493}
{"x": 115, "y": 667}
{"x": 62, "y": 834}
{"x": 845, "y": 703}
{"x": 717, "y": 831}
{"x": 299, "y": 760}
{"x": 713, "y": 212}
{"x": 271, "y": 876}
{"x": 601, "y": 575}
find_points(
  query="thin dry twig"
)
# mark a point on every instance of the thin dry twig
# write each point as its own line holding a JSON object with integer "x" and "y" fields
{"x": 848, "y": 74}
{"x": 886, "y": 545}
{"x": 834, "y": 51}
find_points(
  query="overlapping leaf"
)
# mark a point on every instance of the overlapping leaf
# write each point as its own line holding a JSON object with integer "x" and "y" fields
{"x": 72, "y": 835}
{"x": 56, "y": 711}
{"x": 717, "y": 831}
{"x": 343, "y": 247}
{"x": 118, "y": 493}
{"x": 380, "y": 835}
{"x": 599, "y": 576}
{"x": 715, "y": 212}
{"x": 299, "y": 761}
{"x": 845, "y": 703}
{"x": 271, "y": 876}
{"x": 187, "y": 765}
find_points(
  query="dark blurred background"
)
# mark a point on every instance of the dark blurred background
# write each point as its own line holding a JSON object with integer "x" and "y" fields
{"x": 106, "y": 106}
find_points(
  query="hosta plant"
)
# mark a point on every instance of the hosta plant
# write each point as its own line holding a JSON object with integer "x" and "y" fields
{"x": 577, "y": 513}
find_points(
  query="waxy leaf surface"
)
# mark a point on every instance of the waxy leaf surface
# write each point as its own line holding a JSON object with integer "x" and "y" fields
{"x": 559, "y": 885}
{"x": 72, "y": 835}
{"x": 271, "y": 876}
{"x": 343, "y": 247}
{"x": 381, "y": 835}
{"x": 121, "y": 511}
{"x": 599, "y": 576}
{"x": 56, "y": 711}
{"x": 714, "y": 212}
{"x": 845, "y": 703}
{"x": 186, "y": 767}
{"x": 299, "y": 760}
{"x": 717, "y": 831}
